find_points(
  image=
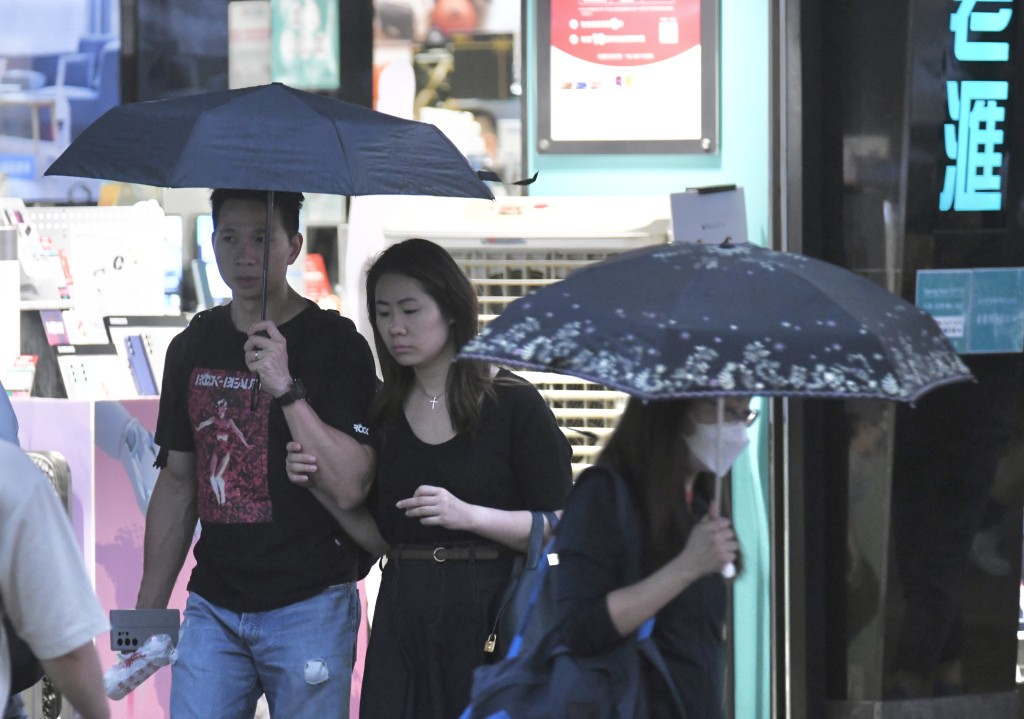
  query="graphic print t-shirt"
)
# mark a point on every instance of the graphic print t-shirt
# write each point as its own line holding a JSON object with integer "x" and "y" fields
{"x": 265, "y": 542}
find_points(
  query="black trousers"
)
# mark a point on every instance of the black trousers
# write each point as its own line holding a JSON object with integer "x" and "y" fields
{"x": 430, "y": 624}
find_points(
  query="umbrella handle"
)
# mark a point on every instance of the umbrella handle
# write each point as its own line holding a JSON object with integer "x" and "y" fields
{"x": 729, "y": 570}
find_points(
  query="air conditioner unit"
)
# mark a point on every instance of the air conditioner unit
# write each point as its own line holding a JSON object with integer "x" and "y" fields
{"x": 516, "y": 244}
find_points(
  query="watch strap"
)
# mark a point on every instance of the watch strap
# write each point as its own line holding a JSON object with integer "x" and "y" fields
{"x": 296, "y": 392}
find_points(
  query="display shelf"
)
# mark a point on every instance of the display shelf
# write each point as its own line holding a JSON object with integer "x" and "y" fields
{"x": 115, "y": 255}
{"x": 29, "y": 305}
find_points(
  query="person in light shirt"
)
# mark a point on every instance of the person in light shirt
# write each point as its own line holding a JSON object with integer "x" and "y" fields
{"x": 44, "y": 588}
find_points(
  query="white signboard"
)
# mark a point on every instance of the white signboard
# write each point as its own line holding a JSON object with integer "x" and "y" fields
{"x": 709, "y": 215}
{"x": 249, "y": 48}
{"x": 115, "y": 273}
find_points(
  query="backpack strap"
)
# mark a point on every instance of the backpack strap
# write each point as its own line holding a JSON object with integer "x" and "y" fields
{"x": 195, "y": 334}
{"x": 537, "y": 536}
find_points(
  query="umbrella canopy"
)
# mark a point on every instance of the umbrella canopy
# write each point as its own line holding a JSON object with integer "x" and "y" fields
{"x": 685, "y": 320}
{"x": 270, "y": 137}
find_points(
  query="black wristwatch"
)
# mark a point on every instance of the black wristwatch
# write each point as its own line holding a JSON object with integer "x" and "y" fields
{"x": 296, "y": 392}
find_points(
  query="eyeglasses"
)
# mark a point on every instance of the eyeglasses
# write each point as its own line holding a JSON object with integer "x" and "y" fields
{"x": 747, "y": 417}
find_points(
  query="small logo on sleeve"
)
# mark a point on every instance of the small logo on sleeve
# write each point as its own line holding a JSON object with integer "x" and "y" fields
{"x": 361, "y": 429}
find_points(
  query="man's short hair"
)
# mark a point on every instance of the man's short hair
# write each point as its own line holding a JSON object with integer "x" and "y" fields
{"x": 286, "y": 204}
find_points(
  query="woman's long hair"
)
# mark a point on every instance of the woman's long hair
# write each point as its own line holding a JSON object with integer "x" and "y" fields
{"x": 442, "y": 279}
{"x": 649, "y": 452}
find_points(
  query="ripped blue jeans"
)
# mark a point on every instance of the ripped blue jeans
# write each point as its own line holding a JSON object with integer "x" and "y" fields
{"x": 300, "y": 656}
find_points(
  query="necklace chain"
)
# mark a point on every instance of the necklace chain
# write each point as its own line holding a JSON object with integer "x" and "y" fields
{"x": 433, "y": 400}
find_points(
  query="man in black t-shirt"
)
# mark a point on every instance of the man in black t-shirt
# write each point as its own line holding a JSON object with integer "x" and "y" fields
{"x": 273, "y": 607}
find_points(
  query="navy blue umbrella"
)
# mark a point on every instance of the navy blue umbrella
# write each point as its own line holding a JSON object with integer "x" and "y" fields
{"x": 270, "y": 138}
{"x": 687, "y": 320}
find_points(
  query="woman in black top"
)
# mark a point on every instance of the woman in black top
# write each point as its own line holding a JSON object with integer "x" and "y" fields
{"x": 665, "y": 452}
{"x": 466, "y": 452}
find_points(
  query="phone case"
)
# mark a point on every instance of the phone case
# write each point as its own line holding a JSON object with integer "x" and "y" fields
{"x": 138, "y": 362}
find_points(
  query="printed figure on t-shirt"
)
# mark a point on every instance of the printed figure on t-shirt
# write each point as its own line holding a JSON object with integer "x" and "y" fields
{"x": 224, "y": 429}
{"x": 237, "y": 491}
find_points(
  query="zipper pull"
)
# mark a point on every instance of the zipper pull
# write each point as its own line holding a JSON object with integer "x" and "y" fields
{"x": 491, "y": 643}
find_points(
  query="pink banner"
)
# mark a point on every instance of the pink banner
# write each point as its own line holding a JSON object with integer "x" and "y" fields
{"x": 124, "y": 479}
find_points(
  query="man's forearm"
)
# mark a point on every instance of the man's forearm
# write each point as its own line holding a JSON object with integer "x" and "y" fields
{"x": 344, "y": 466}
{"x": 170, "y": 526}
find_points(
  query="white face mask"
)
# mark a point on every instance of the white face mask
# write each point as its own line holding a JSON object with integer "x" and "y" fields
{"x": 717, "y": 453}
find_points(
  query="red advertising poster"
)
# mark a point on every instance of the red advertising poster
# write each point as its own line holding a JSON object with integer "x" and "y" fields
{"x": 317, "y": 284}
{"x": 621, "y": 76}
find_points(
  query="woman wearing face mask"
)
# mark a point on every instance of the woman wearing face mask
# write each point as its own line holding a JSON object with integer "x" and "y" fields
{"x": 668, "y": 454}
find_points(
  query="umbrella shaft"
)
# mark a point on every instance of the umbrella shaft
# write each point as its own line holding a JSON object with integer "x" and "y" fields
{"x": 266, "y": 251}
{"x": 720, "y": 408}
{"x": 268, "y": 228}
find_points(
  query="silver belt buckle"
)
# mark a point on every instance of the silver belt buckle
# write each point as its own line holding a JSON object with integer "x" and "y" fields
{"x": 439, "y": 554}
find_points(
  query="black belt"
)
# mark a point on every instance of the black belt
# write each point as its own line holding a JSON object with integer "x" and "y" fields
{"x": 445, "y": 554}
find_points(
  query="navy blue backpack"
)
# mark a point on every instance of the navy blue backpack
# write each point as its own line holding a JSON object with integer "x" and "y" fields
{"x": 541, "y": 679}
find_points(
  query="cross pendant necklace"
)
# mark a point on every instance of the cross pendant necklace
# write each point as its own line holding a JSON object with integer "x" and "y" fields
{"x": 434, "y": 400}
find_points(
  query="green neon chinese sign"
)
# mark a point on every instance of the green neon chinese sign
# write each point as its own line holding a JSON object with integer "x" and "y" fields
{"x": 974, "y": 138}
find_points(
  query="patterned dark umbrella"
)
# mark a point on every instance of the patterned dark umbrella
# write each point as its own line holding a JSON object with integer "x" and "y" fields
{"x": 687, "y": 320}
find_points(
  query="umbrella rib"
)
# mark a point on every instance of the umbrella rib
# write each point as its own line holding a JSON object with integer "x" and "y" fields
{"x": 344, "y": 150}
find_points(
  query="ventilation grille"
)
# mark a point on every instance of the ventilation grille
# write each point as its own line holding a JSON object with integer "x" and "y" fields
{"x": 503, "y": 276}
